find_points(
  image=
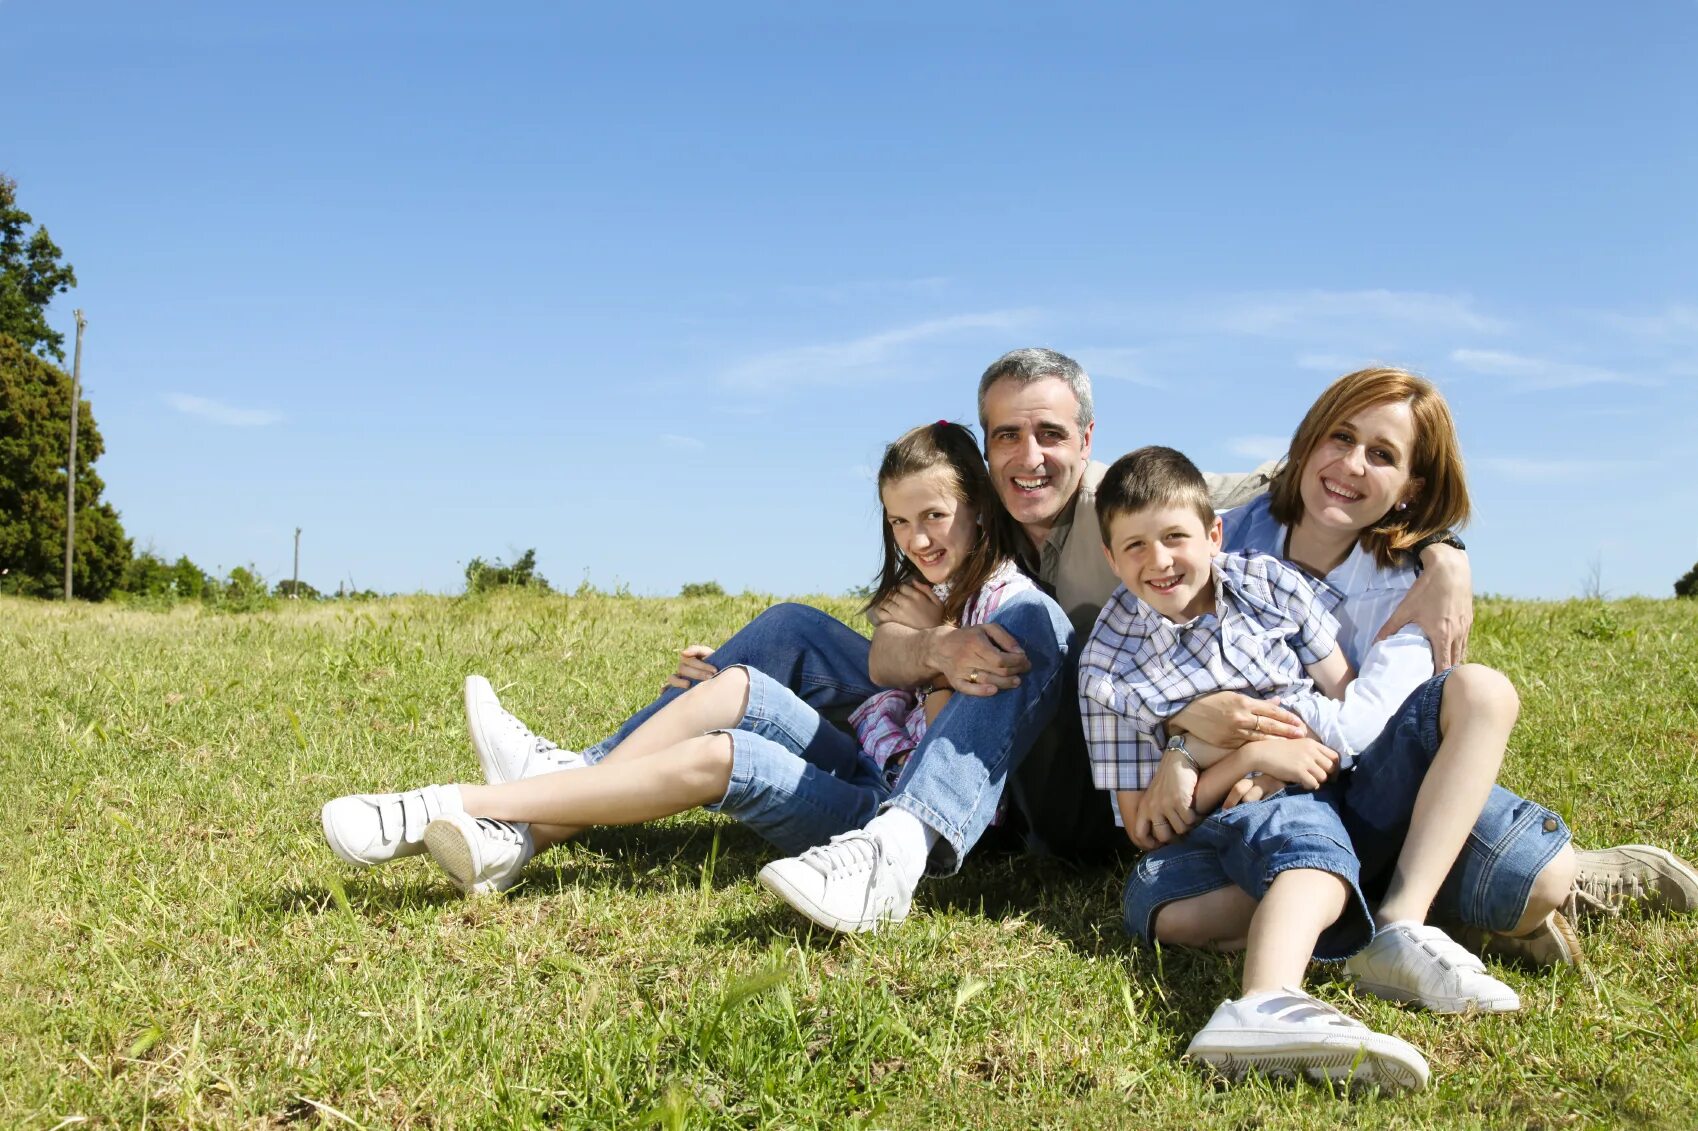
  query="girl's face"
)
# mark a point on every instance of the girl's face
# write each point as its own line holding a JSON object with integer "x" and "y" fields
{"x": 934, "y": 528}
{"x": 1360, "y": 469}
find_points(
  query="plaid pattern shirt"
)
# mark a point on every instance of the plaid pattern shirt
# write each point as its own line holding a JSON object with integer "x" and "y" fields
{"x": 1139, "y": 669}
{"x": 890, "y": 724}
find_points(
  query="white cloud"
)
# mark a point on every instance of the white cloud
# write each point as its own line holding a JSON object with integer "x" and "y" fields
{"x": 1258, "y": 447}
{"x": 1114, "y": 363}
{"x": 875, "y": 357}
{"x": 685, "y": 443}
{"x": 220, "y": 413}
{"x": 860, "y": 290}
{"x": 1674, "y": 322}
{"x": 1538, "y": 373}
{"x": 1558, "y": 470}
{"x": 1281, "y": 314}
{"x": 1333, "y": 363}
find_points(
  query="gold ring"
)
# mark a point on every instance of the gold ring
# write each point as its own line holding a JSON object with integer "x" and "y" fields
{"x": 973, "y": 675}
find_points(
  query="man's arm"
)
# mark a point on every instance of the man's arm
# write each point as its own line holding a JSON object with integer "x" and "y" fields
{"x": 1441, "y": 603}
{"x": 980, "y": 660}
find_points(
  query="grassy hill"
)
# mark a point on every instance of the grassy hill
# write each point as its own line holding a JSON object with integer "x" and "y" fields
{"x": 182, "y": 949}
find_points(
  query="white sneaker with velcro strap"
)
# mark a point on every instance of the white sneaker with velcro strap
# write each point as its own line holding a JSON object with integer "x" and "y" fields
{"x": 507, "y": 748}
{"x": 1421, "y": 965}
{"x": 372, "y": 828}
{"x": 1286, "y": 1032}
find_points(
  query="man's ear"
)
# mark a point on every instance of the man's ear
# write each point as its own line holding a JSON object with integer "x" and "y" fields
{"x": 1085, "y": 446}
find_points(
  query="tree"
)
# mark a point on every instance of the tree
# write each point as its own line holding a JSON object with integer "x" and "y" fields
{"x": 482, "y": 576}
{"x": 1687, "y": 586}
{"x": 30, "y": 275}
{"x": 35, "y": 401}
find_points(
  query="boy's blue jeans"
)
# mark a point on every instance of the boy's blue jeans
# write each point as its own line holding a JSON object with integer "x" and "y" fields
{"x": 955, "y": 777}
{"x": 1354, "y": 827}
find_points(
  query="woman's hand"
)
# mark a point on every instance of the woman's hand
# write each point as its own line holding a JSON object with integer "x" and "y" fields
{"x": 913, "y": 605}
{"x": 1229, "y": 720}
{"x": 1246, "y": 790}
{"x": 692, "y": 668}
{"x": 1295, "y": 761}
{"x": 1440, "y": 603}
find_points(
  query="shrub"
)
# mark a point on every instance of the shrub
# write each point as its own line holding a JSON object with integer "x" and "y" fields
{"x": 1687, "y": 586}
{"x": 482, "y": 576}
{"x": 301, "y": 590}
{"x": 701, "y": 589}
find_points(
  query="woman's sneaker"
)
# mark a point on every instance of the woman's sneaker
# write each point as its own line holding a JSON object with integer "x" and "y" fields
{"x": 480, "y": 854}
{"x": 371, "y": 828}
{"x": 1421, "y": 965}
{"x": 506, "y": 747}
{"x": 1285, "y": 1032}
{"x": 1608, "y": 879}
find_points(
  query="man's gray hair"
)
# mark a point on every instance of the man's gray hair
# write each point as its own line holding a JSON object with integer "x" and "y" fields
{"x": 1028, "y": 365}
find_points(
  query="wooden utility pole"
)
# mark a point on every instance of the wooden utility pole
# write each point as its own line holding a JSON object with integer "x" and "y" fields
{"x": 71, "y": 464}
{"x": 295, "y": 586}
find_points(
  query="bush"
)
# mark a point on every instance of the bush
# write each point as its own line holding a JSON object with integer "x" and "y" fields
{"x": 243, "y": 591}
{"x": 300, "y": 590}
{"x": 1688, "y": 586}
{"x": 148, "y": 575}
{"x": 482, "y": 576}
{"x": 701, "y": 589}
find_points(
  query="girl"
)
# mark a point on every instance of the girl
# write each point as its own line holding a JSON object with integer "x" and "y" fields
{"x": 739, "y": 743}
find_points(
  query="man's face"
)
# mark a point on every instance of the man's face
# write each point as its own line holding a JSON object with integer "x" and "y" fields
{"x": 1035, "y": 449}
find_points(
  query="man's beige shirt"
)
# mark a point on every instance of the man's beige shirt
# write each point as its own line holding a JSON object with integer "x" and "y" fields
{"x": 1070, "y": 564}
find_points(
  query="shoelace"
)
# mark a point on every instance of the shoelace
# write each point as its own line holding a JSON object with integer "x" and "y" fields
{"x": 846, "y": 852}
{"x": 1610, "y": 888}
{"x": 500, "y": 830}
{"x": 540, "y": 746}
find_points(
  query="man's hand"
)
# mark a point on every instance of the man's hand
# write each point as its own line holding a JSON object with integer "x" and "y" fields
{"x": 1167, "y": 803}
{"x": 1246, "y": 790}
{"x": 1298, "y": 761}
{"x": 913, "y": 605}
{"x": 980, "y": 660}
{"x": 1440, "y": 603}
{"x": 1228, "y": 719}
{"x": 692, "y": 668}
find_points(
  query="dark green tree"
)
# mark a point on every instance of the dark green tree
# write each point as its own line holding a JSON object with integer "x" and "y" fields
{"x": 482, "y": 576}
{"x": 1687, "y": 586}
{"x": 30, "y": 275}
{"x": 35, "y": 401}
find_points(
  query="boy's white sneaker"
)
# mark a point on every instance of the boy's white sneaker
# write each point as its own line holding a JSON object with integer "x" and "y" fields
{"x": 480, "y": 854}
{"x": 370, "y": 828}
{"x": 847, "y": 884}
{"x": 1285, "y": 1032}
{"x": 1421, "y": 965}
{"x": 506, "y": 747}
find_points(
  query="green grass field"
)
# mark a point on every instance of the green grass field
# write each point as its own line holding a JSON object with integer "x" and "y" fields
{"x": 181, "y": 949}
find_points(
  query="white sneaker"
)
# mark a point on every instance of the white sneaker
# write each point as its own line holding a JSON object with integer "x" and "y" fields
{"x": 1416, "y": 963}
{"x": 480, "y": 854}
{"x": 370, "y": 828}
{"x": 506, "y": 747}
{"x": 1286, "y": 1031}
{"x": 844, "y": 885}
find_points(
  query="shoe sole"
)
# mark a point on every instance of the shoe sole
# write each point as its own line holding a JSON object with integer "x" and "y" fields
{"x": 475, "y": 686}
{"x": 1671, "y": 896}
{"x": 1339, "y": 1059}
{"x": 1387, "y": 992}
{"x": 774, "y": 880}
{"x": 455, "y": 852}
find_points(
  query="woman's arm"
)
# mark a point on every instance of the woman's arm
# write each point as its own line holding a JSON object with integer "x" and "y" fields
{"x": 1440, "y": 603}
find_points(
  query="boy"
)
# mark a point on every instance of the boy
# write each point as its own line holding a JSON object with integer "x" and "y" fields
{"x": 1186, "y": 622}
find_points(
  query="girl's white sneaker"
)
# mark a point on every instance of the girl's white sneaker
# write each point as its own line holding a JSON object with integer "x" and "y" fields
{"x": 372, "y": 828}
{"x": 507, "y": 749}
{"x": 479, "y": 854}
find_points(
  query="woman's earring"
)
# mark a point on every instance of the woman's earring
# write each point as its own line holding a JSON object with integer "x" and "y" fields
{"x": 1401, "y": 507}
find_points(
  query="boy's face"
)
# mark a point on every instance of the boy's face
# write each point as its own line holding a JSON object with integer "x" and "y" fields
{"x": 1162, "y": 555}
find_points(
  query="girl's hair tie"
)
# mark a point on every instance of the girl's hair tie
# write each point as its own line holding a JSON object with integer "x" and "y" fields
{"x": 943, "y": 424}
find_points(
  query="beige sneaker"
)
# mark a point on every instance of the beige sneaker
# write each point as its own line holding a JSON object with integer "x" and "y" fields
{"x": 1608, "y": 879}
{"x": 1553, "y": 942}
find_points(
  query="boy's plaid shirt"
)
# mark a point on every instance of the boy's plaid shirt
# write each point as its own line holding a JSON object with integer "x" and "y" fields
{"x": 1139, "y": 669}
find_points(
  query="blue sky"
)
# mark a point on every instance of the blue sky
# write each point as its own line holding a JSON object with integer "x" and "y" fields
{"x": 648, "y": 289}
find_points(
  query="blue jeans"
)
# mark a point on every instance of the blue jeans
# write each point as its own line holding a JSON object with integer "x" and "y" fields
{"x": 955, "y": 776}
{"x": 1371, "y": 805}
{"x": 796, "y": 780}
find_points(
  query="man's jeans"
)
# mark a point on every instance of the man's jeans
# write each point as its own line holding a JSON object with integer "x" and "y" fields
{"x": 955, "y": 777}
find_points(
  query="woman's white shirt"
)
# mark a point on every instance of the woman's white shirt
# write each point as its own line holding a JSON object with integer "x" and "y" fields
{"x": 1362, "y": 594}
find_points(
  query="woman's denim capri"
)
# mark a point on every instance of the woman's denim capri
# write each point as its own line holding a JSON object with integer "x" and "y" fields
{"x": 1354, "y": 827}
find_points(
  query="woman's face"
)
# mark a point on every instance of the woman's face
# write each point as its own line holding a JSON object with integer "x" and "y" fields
{"x": 1360, "y": 468}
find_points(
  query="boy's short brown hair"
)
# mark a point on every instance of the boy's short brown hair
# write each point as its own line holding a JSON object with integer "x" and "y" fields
{"x": 1151, "y": 477}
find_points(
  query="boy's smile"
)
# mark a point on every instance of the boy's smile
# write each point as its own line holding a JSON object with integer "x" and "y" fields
{"x": 1162, "y": 554}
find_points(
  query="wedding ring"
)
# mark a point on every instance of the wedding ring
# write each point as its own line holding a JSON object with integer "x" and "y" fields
{"x": 973, "y": 675}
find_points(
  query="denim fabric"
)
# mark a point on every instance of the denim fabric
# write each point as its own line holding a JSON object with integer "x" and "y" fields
{"x": 1249, "y": 845}
{"x": 821, "y": 659}
{"x": 1511, "y": 842}
{"x": 955, "y": 777}
{"x": 796, "y": 780}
